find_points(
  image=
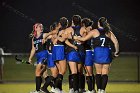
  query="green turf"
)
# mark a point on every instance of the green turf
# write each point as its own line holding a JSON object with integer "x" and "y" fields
{"x": 123, "y": 68}
{"x": 27, "y": 87}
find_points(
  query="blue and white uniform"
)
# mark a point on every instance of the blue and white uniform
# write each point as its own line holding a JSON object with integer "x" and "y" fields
{"x": 89, "y": 53}
{"x": 72, "y": 54}
{"x": 50, "y": 62}
{"x": 41, "y": 52}
{"x": 58, "y": 52}
{"x": 102, "y": 50}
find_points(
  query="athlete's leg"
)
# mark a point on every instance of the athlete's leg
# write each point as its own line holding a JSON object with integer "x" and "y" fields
{"x": 74, "y": 75}
{"x": 98, "y": 76}
{"x": 62, "y": 69}
{"x": 105, "y": 71}
{"x": 38, "y": 73}
{"x": 54, "y": 73}
{"x": 81, "y": 77}
{"x": 47, "y": 81}
{"x": 89, "y": 72}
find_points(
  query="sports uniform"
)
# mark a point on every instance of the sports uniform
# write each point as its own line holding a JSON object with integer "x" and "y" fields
{"x": 58, "y": 51}
{"x": 76, "y": 55}
{"x": 50, "y": 62}
{"x": 89, "y": 53}
{"x": 102, "y": 50}
{"x": 41, "y": 52}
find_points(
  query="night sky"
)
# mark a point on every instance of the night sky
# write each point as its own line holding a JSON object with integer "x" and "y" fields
{"x": 18, "y": 16}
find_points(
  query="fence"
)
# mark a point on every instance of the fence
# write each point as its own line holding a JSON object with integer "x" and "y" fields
{"x": 125, "y": 68}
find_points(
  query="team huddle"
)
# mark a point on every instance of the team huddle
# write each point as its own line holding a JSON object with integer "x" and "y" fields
{"x": 77, "y": 46}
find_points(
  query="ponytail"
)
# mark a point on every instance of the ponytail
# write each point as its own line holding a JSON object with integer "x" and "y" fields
{"x": 103, "y": 22}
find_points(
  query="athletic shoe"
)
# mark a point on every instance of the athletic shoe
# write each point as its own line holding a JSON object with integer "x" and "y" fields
{"x": 57, "y": 90}
{"x": 93, "y": 91}
{"x": 52, "y": 90}
{"x": 71, "y": 90}
{"x": 102, "y": 91}
{"x": 42, "y": 91}
{"x": 99, "y": 91}
{"x": 76, "y": 91}
{"x": 82, "y": 91}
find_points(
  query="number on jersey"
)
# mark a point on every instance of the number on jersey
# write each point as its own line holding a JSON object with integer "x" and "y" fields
{"x": 103, "y": 41}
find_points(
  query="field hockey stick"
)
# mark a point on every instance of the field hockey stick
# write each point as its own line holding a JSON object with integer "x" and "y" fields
{"x": 21, "y": 60}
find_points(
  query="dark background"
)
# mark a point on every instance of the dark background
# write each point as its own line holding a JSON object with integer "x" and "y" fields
{"x": 18, "y": 16}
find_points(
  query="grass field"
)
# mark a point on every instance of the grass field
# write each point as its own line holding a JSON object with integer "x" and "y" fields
{"x": 123, "y": 69}
{"x": 27, "y": 87}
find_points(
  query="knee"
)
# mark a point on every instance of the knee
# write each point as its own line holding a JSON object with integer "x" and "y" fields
{"x": 38, "y": 72}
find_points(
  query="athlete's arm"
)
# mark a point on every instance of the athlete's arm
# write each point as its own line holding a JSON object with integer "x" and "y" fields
{"x": 32, "y": 52}
{"x": 116, "y": 44}
{"x": 87, "y": 37}
{"x": 45, "y": 35}
{"x": 63, "y": 38}
{"x": 84, "y": 32}
{"x": 71, "y": 45}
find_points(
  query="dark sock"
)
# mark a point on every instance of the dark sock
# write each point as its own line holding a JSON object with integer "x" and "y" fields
{"x": 75, "y": 81}
{"x": 52, "y": 84}
{"x": 58, "y": 83}
{"x": 98, "y": 78}
{"x": 38, "y": 82}
{"x": 104, "y": 81}
{"x": 89, "y": 82}
{"x": 48, "y": 80}
{"x": 81, "y": 81}
{"x": 70, "y": 81}
{"x": 93, "y": 82}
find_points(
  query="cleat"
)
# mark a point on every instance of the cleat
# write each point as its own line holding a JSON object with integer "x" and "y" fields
{"x": 93, "y": 91}
{"x": 43, "y": 91}
{"x": 57, "y": 90}
{"x": 102, "y": 91}
{"x": 82, "y": 91}
{"x": 99, "y": 91}
{"x": 71, "y": 90}
{"x": 76, "y": 91}
{"x": 52, "y": 90}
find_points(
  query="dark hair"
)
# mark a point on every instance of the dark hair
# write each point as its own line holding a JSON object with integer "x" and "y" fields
{"x": 64, "y": 22}
{"x": 87, "y": 22}
{"x": 76, "y": 20}
{"x": 103, "y": 22}
{"x": 53, "y": 26}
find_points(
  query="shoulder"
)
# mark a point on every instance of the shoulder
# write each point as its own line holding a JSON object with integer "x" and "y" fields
{"x": 83, "y": 29}
{"x": 94, "y": 31}
{"x": 44, "y": 34}
{"x": 69, "y": 29}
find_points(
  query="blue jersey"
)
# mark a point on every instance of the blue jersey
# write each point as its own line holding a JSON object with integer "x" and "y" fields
{"x": 72, "y": 54}
{"x": 72, "y": 41}
{"x": 41, "y": 52}
{"x": 102, "y": 50}
{"x": 88, "y": 44}
{"x": 38, "y": 43}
